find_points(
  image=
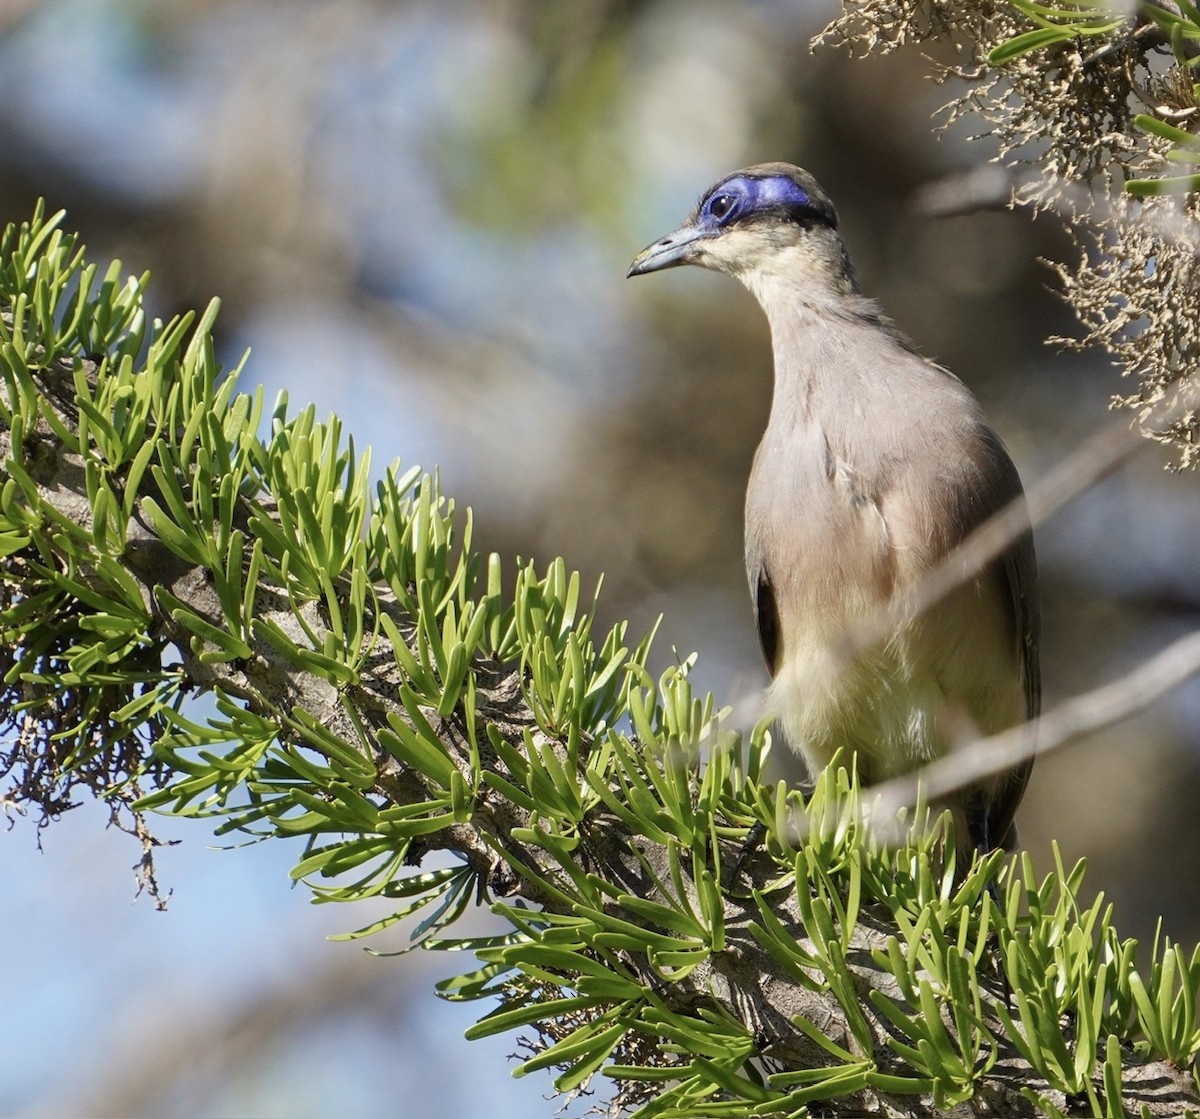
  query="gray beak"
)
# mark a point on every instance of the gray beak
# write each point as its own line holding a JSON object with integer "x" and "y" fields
{"x": 672, "y": 250}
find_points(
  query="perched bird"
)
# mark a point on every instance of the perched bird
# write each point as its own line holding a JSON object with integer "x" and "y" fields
{"x": 874, "y": 465}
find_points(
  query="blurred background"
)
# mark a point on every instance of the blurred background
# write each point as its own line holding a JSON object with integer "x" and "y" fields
{"x": 419, "y": 215}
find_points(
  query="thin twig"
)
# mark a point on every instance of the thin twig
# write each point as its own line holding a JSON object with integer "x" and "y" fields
{"x": 1094, "y": 459}
{"x": 1070, "y": 720}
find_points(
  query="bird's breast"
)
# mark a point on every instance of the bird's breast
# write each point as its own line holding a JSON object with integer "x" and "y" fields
{"x": 817, "y": 527}
{"x": 816, "y": 524}
{"x": 835, "y": 538}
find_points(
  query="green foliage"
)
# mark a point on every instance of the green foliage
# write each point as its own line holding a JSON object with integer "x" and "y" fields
{"x": 1061, "y": 23}
{"x": 353, "y": 650}
{"x": 1186, "y": 150}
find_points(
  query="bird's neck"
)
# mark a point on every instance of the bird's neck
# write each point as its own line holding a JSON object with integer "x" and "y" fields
{"x": 822, "y": 339}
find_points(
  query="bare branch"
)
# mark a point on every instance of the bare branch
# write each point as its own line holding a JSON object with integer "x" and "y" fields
{"x": 1097, "y": 457}
{"x": 1085, "y": 714}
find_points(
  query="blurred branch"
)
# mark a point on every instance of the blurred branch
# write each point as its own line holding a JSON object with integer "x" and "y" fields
{"x": 1093, "y": 460}
{"x": 1085, "y": 714}
{"x": 161, "y": 1055}
{"x": 14, "y": 12}
{"x": 1096, "y": 458}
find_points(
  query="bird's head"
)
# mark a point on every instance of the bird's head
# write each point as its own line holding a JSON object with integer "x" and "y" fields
{"x": 766, "y": 224}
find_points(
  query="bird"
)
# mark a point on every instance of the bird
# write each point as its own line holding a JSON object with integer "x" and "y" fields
{"x": 874, "y": 465}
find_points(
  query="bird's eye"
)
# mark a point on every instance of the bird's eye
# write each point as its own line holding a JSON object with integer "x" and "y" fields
{"x": 721, "y": 206}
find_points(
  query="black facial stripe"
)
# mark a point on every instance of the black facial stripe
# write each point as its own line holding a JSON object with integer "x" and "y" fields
{"x": 793, "y": 215}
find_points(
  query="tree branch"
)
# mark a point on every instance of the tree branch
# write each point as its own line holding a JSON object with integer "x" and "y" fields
{"x": 749, "y": 977}
{"x": 1084, "y": 714}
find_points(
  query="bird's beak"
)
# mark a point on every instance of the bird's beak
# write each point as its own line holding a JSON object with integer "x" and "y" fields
{"x": 673, "y": 249}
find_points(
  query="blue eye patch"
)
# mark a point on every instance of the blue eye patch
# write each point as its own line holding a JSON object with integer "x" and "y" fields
{"x": 743, "y": 195}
